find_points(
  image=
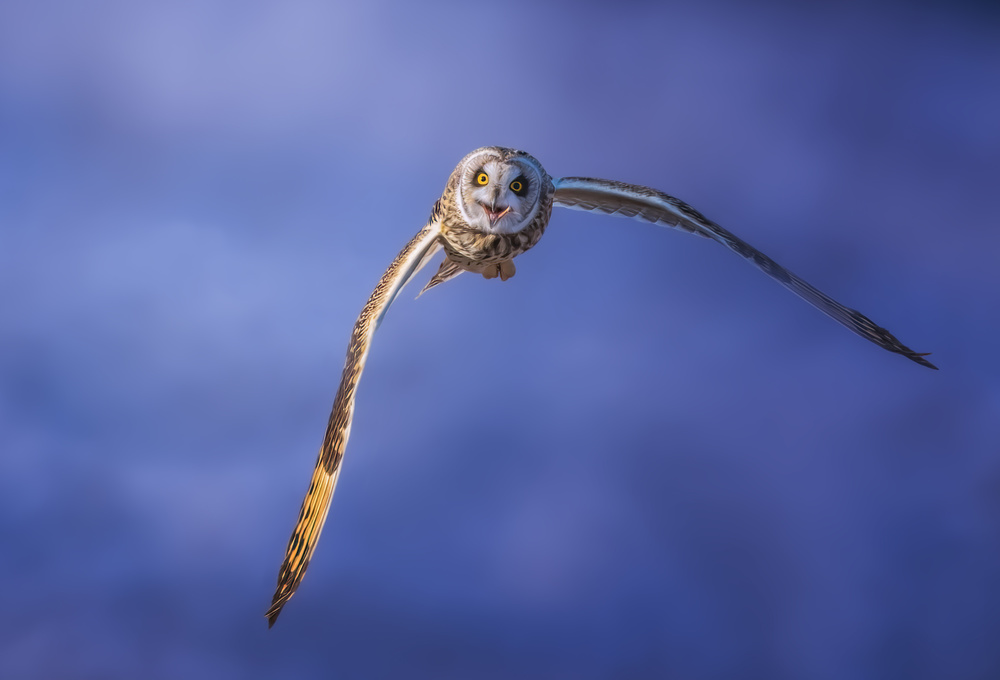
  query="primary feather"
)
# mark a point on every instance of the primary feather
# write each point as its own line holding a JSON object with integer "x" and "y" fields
{"x": 495, "y": 206}
{"x": 630, "y": 200}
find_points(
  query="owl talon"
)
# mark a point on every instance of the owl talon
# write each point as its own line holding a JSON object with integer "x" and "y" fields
{"x": 504, "y": 270}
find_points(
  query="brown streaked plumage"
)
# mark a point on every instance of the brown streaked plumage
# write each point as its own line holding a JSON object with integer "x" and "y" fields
{"x": 489, "y": 253}
{"x": 495, "y": 206}
{"x": 314, "y": 509}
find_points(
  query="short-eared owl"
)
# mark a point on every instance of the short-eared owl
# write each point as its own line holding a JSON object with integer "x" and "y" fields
{"x": 495, "y": 206}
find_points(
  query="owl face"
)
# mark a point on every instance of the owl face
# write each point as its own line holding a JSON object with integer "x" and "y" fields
{"x": 499, "y": 189}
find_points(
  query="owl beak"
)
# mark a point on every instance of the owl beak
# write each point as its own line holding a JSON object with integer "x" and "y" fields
{"x": 493, "y": 215}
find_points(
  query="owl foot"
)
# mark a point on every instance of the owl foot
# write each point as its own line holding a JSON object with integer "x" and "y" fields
{"x": 504, "y": 270}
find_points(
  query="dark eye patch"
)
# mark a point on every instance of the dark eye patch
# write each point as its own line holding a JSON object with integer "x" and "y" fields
{"x": 519, "y": 186}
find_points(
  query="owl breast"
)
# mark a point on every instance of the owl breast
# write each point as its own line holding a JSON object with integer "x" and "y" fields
{"x": 471, "y": 248}
{"x": 495, "y": 206}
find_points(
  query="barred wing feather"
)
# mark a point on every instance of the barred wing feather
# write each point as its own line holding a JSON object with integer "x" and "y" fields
{"x": 630, "y": 200}
{"x": 314, "y": 509}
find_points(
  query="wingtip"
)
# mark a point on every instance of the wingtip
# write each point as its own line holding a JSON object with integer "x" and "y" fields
{"x": 919, "y": 358}
{"x": 888, "y": 341}
{"x": 276, "y": 606}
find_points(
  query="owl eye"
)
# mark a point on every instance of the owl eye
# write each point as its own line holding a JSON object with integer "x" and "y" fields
{"x": 518, "y": 186}
{"x": 482, "y": 179}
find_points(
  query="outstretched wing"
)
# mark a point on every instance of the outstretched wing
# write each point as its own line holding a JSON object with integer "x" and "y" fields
{"x": 630, "y": 200}
{"x": 317, "y": 501}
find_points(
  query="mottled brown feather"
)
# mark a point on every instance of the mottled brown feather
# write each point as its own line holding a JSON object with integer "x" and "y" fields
{"x": 471, "y": 248}
{"x": 316, "y": 505}
{"x": 467, "y": 249}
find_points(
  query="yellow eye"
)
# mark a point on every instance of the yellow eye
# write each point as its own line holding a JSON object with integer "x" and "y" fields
{"x": 516, "y": 186}
{"x": 482, "y": 179}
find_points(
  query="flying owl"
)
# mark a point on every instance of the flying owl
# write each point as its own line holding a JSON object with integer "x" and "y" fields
{"x": 495, "y": 206}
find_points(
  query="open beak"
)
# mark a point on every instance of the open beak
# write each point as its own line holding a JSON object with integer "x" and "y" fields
{"x": 493, "y": 215}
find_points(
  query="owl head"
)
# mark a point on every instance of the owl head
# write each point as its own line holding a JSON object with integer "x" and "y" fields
{"x": 500, "y": 190}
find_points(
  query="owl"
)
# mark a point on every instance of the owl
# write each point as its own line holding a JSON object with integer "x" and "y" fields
{"x": 495, "y": 206}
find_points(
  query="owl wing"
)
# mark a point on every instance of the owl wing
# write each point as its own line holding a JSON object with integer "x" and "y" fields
{"x": 314, "y": 509}
{"x": 630, "y": 200}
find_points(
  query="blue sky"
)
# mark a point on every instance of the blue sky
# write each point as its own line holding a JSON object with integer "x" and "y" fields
{"x": 637, "y": 458}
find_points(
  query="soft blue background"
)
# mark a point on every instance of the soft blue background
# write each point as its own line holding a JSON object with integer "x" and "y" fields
{"x": 640, "y": 458}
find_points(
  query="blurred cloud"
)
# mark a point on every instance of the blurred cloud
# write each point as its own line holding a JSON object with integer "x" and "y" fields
{"x": 637, "y": 458}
